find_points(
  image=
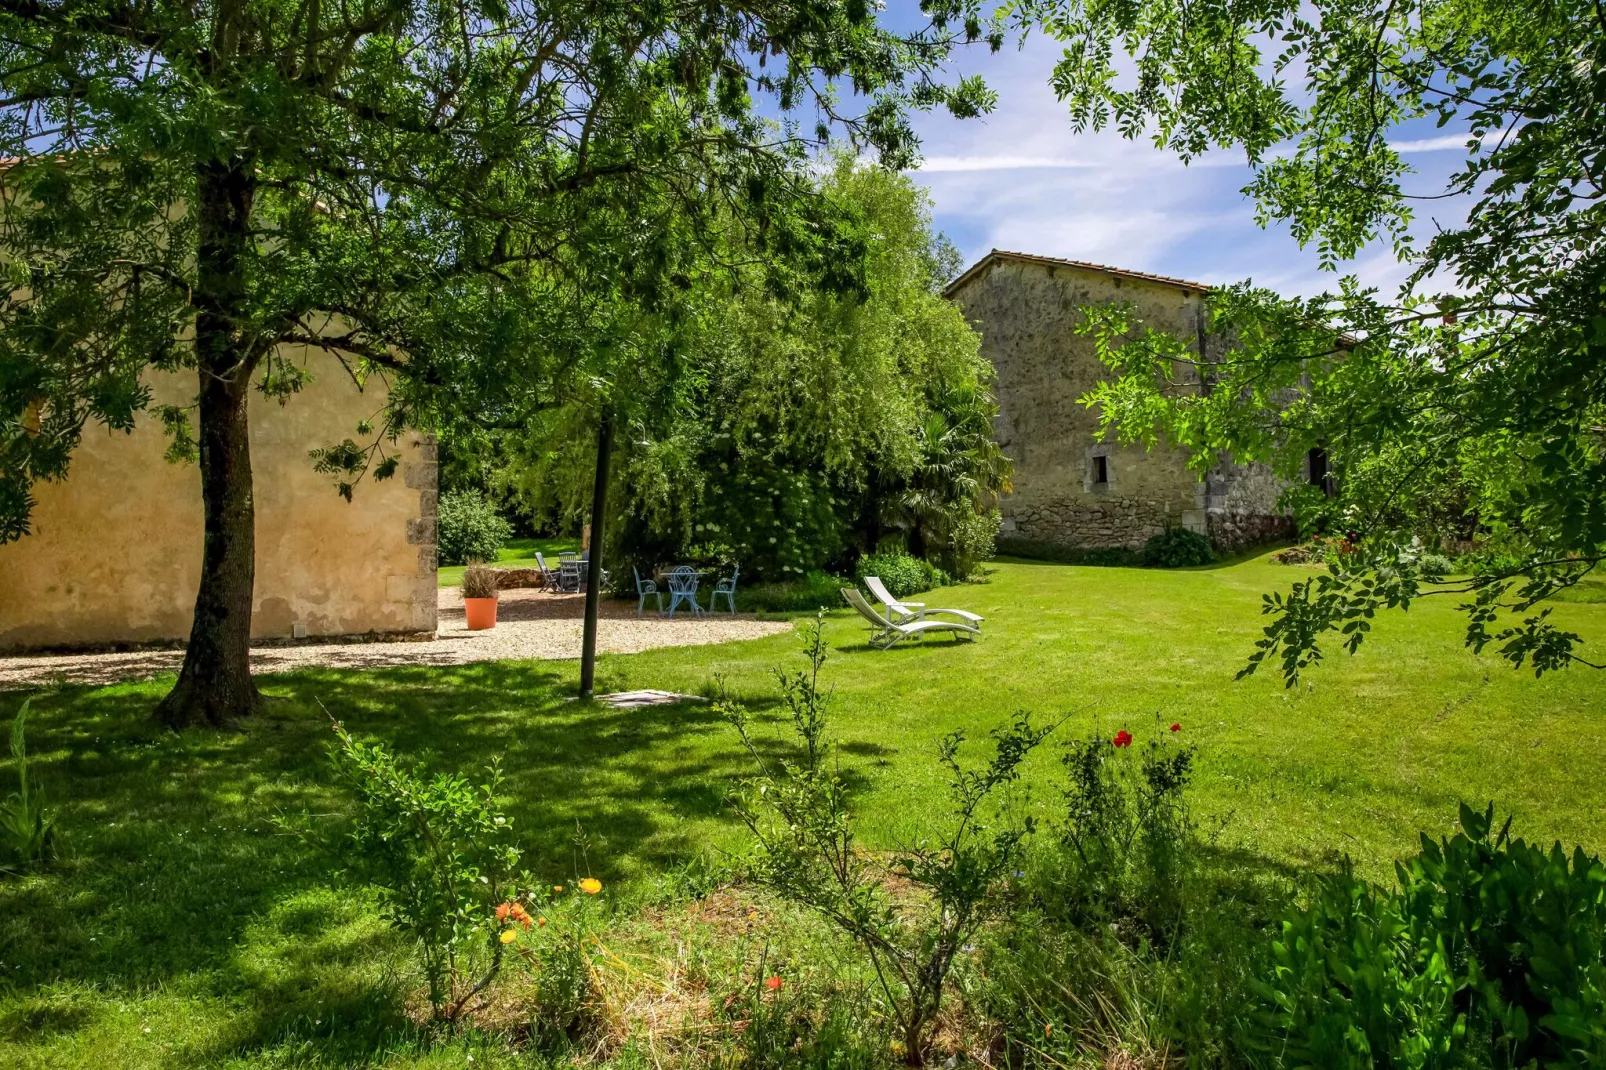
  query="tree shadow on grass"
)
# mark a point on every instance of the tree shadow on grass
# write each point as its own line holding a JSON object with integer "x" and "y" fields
{"x": 174, "y": 854}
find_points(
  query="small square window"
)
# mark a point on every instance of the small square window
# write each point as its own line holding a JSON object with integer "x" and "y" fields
{"x": 1101, "y": 469}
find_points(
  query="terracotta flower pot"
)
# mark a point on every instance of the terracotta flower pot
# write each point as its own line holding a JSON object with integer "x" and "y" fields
{"x": 481, "y": 613}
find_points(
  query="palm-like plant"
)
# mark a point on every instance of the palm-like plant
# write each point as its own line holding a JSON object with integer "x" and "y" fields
{"x": 959, "y": 476}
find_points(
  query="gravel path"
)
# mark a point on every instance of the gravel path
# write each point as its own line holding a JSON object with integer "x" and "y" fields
{"x": 530, "y": 624}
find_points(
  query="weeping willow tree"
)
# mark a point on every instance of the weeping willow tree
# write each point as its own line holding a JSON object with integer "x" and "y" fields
{"x": 790, "y": 430}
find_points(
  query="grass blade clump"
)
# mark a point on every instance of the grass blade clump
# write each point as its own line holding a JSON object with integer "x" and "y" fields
{"x": 27, "y": 827}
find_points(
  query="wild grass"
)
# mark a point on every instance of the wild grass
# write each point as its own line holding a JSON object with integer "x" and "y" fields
{"x": 180, "y": 927}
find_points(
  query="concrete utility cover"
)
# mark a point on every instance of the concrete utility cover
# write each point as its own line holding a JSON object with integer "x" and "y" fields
{"x": 629, "y": 700}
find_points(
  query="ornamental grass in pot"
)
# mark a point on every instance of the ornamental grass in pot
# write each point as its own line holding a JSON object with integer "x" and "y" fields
{"x": 479, "y": 597}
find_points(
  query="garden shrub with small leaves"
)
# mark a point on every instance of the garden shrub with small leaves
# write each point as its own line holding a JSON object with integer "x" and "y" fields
{"x": 1178, "y": 548}
{"x": 442, "y": 855}
{"x": 904, "y": 574}
{"x": 468, "y": 528}
{"x": 806, "y": 850}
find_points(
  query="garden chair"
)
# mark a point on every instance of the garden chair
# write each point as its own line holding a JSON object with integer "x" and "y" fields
{"x": 904, "y": 612}
{"x": 549, "y": 578}
{"x": 726, "y": 587}
{"x": 683, "y": 588}
{"x": 885, "y": 634}
{"x": 643, "y": 589}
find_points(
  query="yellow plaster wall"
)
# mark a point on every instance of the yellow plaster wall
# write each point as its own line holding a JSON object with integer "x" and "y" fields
{"x": 115, "y": 552}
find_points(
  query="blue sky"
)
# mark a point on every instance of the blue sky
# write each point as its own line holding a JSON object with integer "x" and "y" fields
{"x": 1021, "y": 179}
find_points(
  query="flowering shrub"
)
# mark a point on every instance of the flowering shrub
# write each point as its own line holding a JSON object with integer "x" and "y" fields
{"x": 442, "y": 855}
{"x": 806, "y": 851}
{"x": 1126, "y": 829}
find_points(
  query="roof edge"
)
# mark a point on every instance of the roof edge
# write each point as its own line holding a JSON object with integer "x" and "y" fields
{"x": 1081, "y": 265}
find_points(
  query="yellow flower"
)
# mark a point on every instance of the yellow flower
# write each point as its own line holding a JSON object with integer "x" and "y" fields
{"x": 590, "y": 886}
{"x": 557, "y": 887}
{"x": 509, "y": 935}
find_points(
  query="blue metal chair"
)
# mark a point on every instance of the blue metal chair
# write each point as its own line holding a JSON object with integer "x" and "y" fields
{"x": 683, "y": 588}
{"x": 726, "y": 587}
{"x": 643, "y": 589}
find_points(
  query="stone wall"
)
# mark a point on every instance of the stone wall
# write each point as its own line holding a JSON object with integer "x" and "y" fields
{"x": 1026, "y": 310}
{"x": 115, "y": 553}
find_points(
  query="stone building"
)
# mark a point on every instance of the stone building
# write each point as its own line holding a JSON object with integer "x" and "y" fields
{"x": 1072, "y": 486}
{"x": 114, "y": 557}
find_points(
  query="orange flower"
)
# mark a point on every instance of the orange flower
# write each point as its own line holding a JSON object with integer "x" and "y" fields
{"x": 540, "y": 921}
{"x": 773, "y": 983}
{"x": 590, "y": 885}
{"x": 503, "y": 910}
{"x": 557, "y": 887}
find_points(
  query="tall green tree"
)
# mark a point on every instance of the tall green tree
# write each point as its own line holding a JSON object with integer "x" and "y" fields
{"x": 1479, "y": 390}
{"x": 787, "y": 428}
{"x": 445, "y": 193}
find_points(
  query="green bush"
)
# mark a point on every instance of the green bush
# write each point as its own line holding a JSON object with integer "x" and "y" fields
{"x": 972, "y": 539}
{"x": 1178, "y": 548}
{"x": 807, "y": 851}
{"x": 442, "y": 855}
{"x": 468, "y": 528}
{"x": 903, "y": 574}
{"x": 1487, "y": 951}
{"x": 815, "y": 590}
{"x": 1127, "y": 832}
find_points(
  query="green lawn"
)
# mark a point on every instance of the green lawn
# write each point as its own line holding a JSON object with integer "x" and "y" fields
{"x": 184, "y": 929}
{"x": 519, "y": 553}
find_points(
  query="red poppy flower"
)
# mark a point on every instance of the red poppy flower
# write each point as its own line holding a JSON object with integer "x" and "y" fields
{"x": 1176, "y": 728}
{"x": 772, "y": 983}
{"x": 1123, "y": 738}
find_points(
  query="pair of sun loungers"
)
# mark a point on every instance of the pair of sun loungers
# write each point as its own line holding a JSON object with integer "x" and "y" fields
{"x": 904, "y": 620}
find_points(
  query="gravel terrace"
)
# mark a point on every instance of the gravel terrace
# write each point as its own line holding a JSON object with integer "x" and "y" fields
{"x": 529, "y": 624}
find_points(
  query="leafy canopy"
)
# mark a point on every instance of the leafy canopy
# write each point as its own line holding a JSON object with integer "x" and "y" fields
{"x": 1470, "y": 405}
{"x": 451, "y": 195}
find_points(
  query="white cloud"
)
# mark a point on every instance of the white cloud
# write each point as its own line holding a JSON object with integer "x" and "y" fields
{"x": 1023, "y": 179}
{"x": 1433, "y": 144}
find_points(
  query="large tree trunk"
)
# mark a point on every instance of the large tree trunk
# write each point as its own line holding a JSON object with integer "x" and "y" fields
{"x": 215, "y": 685}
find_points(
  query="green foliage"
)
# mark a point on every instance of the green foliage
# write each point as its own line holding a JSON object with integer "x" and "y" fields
{"x": 903, "y": 574}
{"x": 1037, "y": 550}
{"x": 1471, "y": 411}
{"x": 442, "y": 854}
{"x": 797, "y": 429}
{"x": 27, "y": 826}
{"x": 815, "y": 590}
{"x": 1127, "y": 832}
{"x": 1488, "y": 951}
{"x": 1178, "y": 548}
{"x": 468, "y": 528}
{"x": 807, "y": 851}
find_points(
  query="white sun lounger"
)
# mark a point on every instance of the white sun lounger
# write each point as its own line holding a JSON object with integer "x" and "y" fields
{"x": 888, "y": 634}
{"x": 905, "y": 612}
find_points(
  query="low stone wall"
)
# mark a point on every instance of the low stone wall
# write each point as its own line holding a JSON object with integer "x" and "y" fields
{"x": 1124, "y": 523}
{"x": 509, "y": 578}
{"x": 1232, "y": 532}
